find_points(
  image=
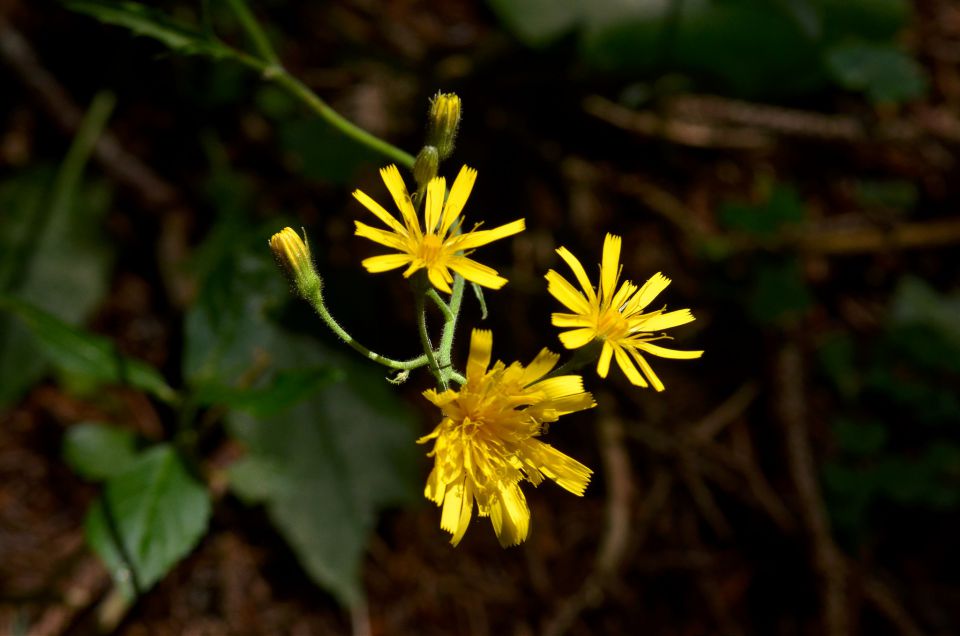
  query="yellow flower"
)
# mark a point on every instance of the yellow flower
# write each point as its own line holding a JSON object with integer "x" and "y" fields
{"x": 439, "y": 247}
{"x": 487, "y": 442}
{"x": 293, "y": 254}
{"x": 615, "y": 316}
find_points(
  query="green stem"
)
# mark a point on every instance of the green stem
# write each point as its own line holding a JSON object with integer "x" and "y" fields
{"x": 441, "y": 305}
{"x": 581, "y": 357}
{"x": 421, "y": 310}
{"x": 252, "y": 27}
{"x": 450, "y": 328}
{"x": 316, "y": 301}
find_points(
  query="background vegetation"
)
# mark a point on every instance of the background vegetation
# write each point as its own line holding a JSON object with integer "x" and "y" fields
{"x": 184, "y": 450}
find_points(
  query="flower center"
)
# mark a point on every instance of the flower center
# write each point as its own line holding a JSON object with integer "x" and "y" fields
{"x": 431, "y": 247}
{"x": 611, "y": 325}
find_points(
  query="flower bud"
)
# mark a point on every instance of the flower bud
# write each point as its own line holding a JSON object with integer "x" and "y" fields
{"x": 425, "y": 167}
{"x": 293, "y": 256}
{"x": 442, "y": 123}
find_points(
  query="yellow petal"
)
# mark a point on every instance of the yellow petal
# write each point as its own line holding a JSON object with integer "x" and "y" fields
{"x": 603, "y": 363}
{"x": 377, "y": 264}
{"x": 481, "y": 348}
{"x": 629, "y": 368}
{"x": 383, "y": 237}
{"x": 515, "y": 518}
{"x": 471, "y": 240}
{"x": 650, "y": 290}
{"x": 674, "y": 354}
{"x": 560, "y": 386}
{"x": 437, "y": 278}
{"x": 647, "y": 369}
{"x": 569, "y": 474}
{"x": 570, "y": 320}
{"x": 577, "y": 338}
{"x": 539, "y": 367}
{"x": 579, "y": 273}
{"x": 610, "y": 267}
{"x": 379, "y": 212}
{"x": 562, "y": 290}
{"x": 658, "y": 322}
{"x": 398, "y": 190}
{"x": 477, "y": 272}
{"x": 435, "y": 191}
{"x": 459, "y": 193}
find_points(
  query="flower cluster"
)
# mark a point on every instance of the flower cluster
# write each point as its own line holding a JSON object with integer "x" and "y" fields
{"x": 488, "y": 440}
{"x": 489, "y": 437}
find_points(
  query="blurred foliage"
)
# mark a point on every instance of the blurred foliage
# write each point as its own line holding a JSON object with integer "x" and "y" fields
{"x": 53, "y": 256}
{"x": 896, "y": 438}
{"x": 805, "y": 44}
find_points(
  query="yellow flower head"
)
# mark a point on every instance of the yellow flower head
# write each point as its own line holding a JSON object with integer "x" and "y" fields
{"x": 487, "y": 442}
{"x": 293, "y": 254}
{"x": 616, "y": 316}
{"x": 438, "y": 247}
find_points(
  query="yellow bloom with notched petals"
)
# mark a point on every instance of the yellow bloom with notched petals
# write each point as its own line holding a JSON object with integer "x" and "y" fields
{"x": 487, "y": 442}
{"x": 616, "y": 317}
{"x": 440, "y": 245}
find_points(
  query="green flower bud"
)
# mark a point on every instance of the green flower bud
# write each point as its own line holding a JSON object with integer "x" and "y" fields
{"x": 442, "y": 123}
{"x": 293, "y": 256}
{"x": 425, "y": 168}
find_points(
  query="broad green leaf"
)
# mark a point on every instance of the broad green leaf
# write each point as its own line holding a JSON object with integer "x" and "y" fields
{"x": 915, "y": 302}
{"x": 99, "y": 451}
{"x": 148, "y": 22}
{"x": 539, "y": 22}
{"x": 320, "y": 152}
{"x": 286, "y": 388}
{"x": 149, "y": 517}
{"x": 783, "y": 207}
{"x": 779, "y": 293}
{"x": 78, "y": 352}
{"x": 883, "y": 72}
{"x": 325, "y": 467}
{"x": 52, "y": 252}
{"x": 861, "y": 438}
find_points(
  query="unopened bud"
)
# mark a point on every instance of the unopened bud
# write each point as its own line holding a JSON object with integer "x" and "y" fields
{"x": 293, "y": 256}
{"x": 442, "y": 124}
{"x": 425, "y": 167}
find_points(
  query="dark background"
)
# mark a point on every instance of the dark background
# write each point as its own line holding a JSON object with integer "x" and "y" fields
{"x": 791, "y": 166}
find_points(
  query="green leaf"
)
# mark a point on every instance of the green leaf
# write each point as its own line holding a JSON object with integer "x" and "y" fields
{"x": 149, "y": 517}
{"x": 320, "y": 152}
{"x": 78, "y": 352}
{"x": 779, "y": 293}
{"x": 148, "y": 22}
{"x": 52, "y": 252}
{"x": 284, "y": 390}
{"x": 782, "y": 208}
{"x": 883, "y": 72}
{"x": 860, "y": 438}
{"x": 915, "y": 302}
{"x": 538, "y": 22}
{"x": 837, "y": 358}
{"x": 325, "y": 467}
{"x": 99, "y": 451}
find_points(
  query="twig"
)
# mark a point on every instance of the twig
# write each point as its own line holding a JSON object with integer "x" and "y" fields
{"x": 617, "y": 531}
{"x": 829, "y": 562}
{"x": 883, "y": 599}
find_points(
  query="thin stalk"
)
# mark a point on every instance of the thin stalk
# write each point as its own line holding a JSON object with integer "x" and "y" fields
{"x": 316, "y": 301}
{"x": 425, "y": 338}
{"x": 450, "y": 326}
{"x": 581, "y": 357}
{"x": 256, "y": 34}
{"x": 441, "y": 305}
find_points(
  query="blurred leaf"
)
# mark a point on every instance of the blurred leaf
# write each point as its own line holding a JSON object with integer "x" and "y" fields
{"x": 52, "y": 253}
{"x": 860, "y": 438}
{"x": 779, "y": 294}
{"x": 149, "y": 517}
{"x": 320, "y": 152}
{"x": 286, "y": 389}
{"x": 836, "y": 354}
{"x": 325, "y": 467}
{"x": 148, "y": 22}
{"x": 75, "y": 351}
{"x": 916, "y": 303}
{"x": 882, "y": 71}
{"x": 891, "y": 194}
{"x": 539, "y": 22}
{"x": 783, "y": 207}
{"x": 99, "y": 451}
